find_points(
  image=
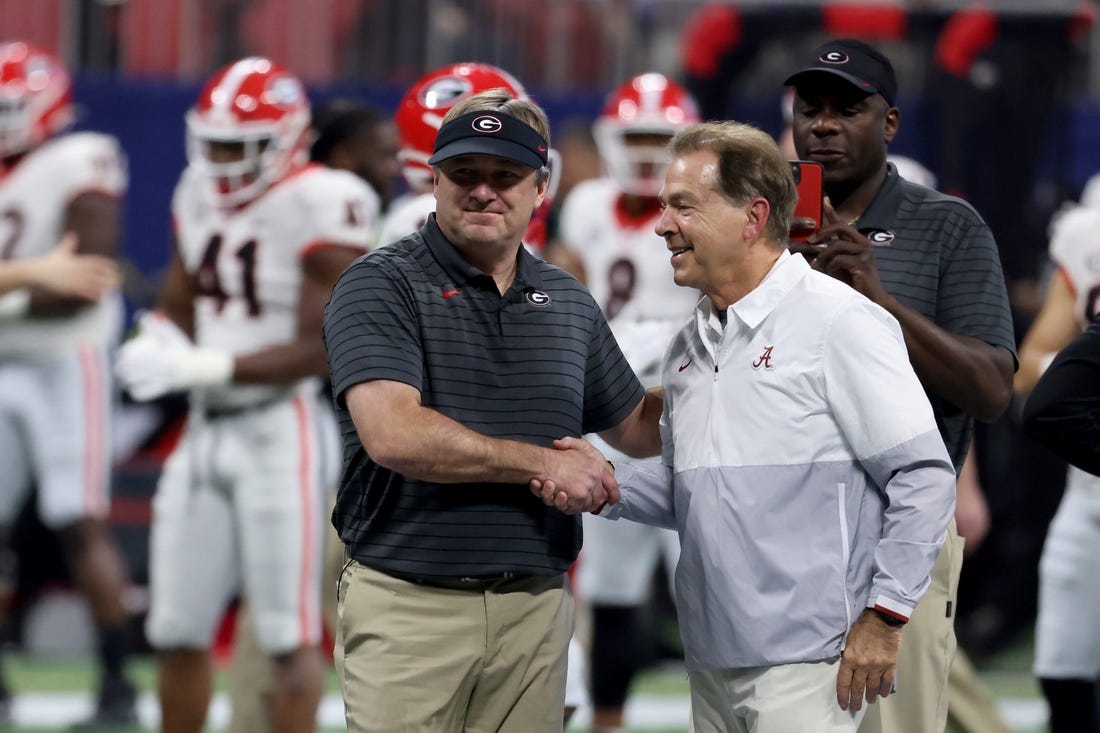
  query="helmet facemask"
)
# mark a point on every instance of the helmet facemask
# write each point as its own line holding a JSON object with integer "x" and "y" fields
{"x": 638, "y": 120}
{"x": 249, "y": 130}
{"x": 263, "y": 158}
{"x": 636, "y": 159}
{"x": 15, "y": 126}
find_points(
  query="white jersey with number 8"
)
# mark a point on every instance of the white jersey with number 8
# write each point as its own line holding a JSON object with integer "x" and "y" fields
{"x": 626, "y": 264}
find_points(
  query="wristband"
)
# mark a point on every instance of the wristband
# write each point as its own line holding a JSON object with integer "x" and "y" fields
{"x": 890, "y": 619}
{"x": 206, "y": 367}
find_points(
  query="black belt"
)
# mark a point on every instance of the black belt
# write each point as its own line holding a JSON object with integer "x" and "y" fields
{"x": 454, "y": 583}
{"x": 218, "y": 413}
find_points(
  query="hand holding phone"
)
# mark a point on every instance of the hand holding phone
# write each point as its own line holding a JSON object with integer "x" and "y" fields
{"x": 808, "y": 181}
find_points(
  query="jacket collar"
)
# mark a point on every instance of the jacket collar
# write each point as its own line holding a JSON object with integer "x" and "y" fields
{"x": 752, "y": 309}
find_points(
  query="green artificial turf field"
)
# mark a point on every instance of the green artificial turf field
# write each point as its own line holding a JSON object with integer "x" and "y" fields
{"x": 53, "y": 692}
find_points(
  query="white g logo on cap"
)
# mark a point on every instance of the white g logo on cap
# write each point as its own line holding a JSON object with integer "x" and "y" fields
{"x": 486, "y": 123}
{"x": 834, "y": 57}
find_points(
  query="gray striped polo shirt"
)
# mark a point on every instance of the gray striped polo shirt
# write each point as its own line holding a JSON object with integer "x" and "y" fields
{"x": 937, "y": 256}
{"x": 535, "y": 364}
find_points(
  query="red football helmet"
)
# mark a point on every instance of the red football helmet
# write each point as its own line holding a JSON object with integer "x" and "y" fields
{"x": 420, "y": 112}
{"x": 36, "y": 96}
{"x": 260, "y": 107}
{"x": 648, "y": 104}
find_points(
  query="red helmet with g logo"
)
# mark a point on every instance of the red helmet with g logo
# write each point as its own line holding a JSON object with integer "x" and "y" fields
{"x": 420, "y": 112}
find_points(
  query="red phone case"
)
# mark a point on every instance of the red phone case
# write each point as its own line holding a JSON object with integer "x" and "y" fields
{"x": 808, "y": 181}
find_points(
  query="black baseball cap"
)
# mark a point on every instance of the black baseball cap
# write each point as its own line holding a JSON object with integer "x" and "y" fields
{"x": 490, "y": 133}
{"x": 858, "y": 63}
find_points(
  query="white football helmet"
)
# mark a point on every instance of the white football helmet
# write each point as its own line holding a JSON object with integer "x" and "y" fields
{"x": 647, "y": 104}
{"x": 261, "y": 106}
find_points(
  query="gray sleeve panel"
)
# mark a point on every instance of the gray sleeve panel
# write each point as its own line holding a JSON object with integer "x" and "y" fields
{"x": 919, "y": 483}
{"x": 646, "y": 488}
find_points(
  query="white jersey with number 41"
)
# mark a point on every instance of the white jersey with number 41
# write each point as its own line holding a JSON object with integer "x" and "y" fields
{"x": 247, "y": 262}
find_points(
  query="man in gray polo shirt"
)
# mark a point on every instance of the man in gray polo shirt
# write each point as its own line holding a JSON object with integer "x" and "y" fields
{"x": 931, "y": 261}
{"x": 457, "y": 359}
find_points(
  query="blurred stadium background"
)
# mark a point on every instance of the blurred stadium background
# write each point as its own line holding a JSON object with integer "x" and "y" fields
{"x": 999, "y": 99}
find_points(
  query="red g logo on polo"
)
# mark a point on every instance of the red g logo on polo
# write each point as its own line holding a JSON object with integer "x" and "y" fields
{"x": 486, "y": 124}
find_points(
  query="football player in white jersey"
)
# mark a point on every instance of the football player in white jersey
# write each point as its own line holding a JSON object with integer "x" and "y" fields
{"x": 55, "y": 386}
{"x": 347, "y": 136}
{"x": 261, "y": 236}
{"x": 1067, "y": 634}
{"x": 607, "y": 227}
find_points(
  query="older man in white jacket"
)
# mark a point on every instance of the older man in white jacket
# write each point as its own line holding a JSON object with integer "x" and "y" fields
{"x": 805, "y": 475}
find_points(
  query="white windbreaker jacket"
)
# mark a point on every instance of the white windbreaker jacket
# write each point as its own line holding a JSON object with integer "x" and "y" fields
{"x": 805, "y": 473}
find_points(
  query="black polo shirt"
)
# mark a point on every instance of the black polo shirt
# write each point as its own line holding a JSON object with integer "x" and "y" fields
{"x": 937, "y": 256}
{"x": 535, "y": 364}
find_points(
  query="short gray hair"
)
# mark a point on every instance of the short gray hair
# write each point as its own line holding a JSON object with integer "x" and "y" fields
{"x": 750, "y": 164}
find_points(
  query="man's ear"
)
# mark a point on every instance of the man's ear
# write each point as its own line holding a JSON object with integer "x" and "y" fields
{"x": 891, "y": 121}
{"x": 757, "y": 213}
{"x": 542, "y": 186}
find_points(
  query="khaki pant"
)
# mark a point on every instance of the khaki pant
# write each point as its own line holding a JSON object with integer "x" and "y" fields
{"x": 971, "y": 708}
{"x": 437, "y": 660}
{"x": 779, "y": 699}
{"x": 927, "y": 651}
{"x": 252, "y": 673}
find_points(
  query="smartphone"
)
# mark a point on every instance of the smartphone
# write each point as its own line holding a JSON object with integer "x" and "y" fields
{"x": 808, "y": 182}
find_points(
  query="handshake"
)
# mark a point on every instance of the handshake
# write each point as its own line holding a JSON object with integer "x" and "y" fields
{"x": 160, "y": 358}
{"x": 579, "y": 479}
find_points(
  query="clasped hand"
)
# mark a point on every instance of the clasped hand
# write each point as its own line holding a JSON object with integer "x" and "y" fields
{"x": 578, "y": 478}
